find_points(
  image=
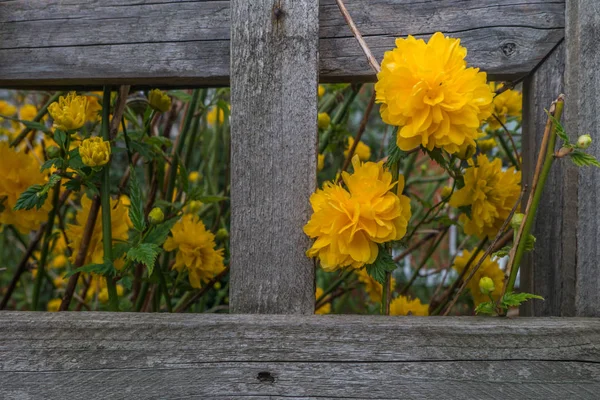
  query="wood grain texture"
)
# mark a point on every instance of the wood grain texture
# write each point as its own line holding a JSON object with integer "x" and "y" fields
{"x": 151, "y": 356}
{"x": 550, "y": 269}
{"x": 186, "y": 42}
{"x": 582, "y": 107}
{"x": 274, "y": 58}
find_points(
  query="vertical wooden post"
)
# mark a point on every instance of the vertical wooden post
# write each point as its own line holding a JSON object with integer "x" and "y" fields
{"x": 550, "y": 269}
{"x": 582, "y": 88}
{"x": 274, "y": 61}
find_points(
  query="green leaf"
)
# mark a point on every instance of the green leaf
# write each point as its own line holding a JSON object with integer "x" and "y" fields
{"x": 126, "y": 282}
{"x": 503, "y": 252}
{"x": 75, "y": 159}
{"x": 395, "y": 155}
{"x": 158, "y": 141}
{"x": 136, "y": 210}
{"x": 34, "y": 196}
{"x": 105, "y": 269}
{"x": 530, "y": 242}
{"x": 383, "y": 263}
{"x": 560, "y": 130}
{"x": 211, "y": 199}
{"x": 582, "y": 159}
{"x": 515, "y": 299}
{"x": 159, "y": 233}
{"x": 60, "y": 138}
{"x": 144, "y": 253}
{"x": 120, "y": 249}
{"x": 180, "y": 95}
{"x": 73, "y": 185}
{"x": 144, "y": 149}
{"x": 49, "y": 163}
{"x": 487, "y": 308}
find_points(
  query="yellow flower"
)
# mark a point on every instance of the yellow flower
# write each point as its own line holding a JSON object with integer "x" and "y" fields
{"x": 93, "y": 110}
{"x": 427, "y": 89}
{"x": 488, "y": 268}
{"x": 507, "y": 104}
{"x": 59, "y": 281}
{"x": 486, "y": 145}
{"x": 405, "y": 306}
{"x": 94, "y": 152}
{"x": 60, "y": 261}
{"x": 69, "y": 113}
{"x": 28, "y": 112}
{"x": 194, "y": 177}
{"x": 373, "y": 288}
{"x": 362, "y": 150}
{"x": 323, "y": 120}
{"x": 54, "y": 305}
{"x": 491, "y": 193}
{"x": 211, "y": 116}
{"x": 320, "y": 162}
{"x": 103, "y": 294}
{"x": 159, "y": 100}
{"x": 321, "y": 90}
{"x": 124, "y": 199}
{"x": 194, "y": 206}
{"x": 7, "y": 109}
{"x": 325, "y": 308}
{"x": 120, "y": 230}
{"x": 19, "y": 171}
{"x": 195, "y": 250}
{"x": 348, "y": 224}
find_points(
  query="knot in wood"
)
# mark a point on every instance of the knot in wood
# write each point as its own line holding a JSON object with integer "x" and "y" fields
{"x": 265, "y": 377}
{"x": 508, "y": 48}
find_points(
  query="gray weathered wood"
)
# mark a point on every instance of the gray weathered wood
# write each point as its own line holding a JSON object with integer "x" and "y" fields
{"x": 582, "y": 80}
{"x": 151, "y": 356}
{"x": 274, "y": 58}
{"x": 550, "y": 269}
{"x": 178, "y": 43}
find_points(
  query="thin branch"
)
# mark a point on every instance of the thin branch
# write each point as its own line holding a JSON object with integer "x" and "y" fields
{"x": 512, "y": 141}
{"x": 118, "y": 111}
{"x": 202, "y": 291}
{"x": 359, "y": 133}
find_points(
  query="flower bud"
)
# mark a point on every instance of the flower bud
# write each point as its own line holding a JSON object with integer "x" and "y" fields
{"x": 194, "y": 206}
{"x": 486, "y": 285}
{"x": 94, "y": 152}
{"x": 323, "y": 120}
{"x": 194, "y": 177}
{"x": 159, "y": 100}
{"x": 517, "y": 220}
{"x": 53, "y": 151}
{"x": 466, "y": 151}
{"x": 584, "y": 141}
{"x": 222, "y": 234}
{"x": 321, "y": 90}
{"x": 156, "y": 216}
{"x": 446, "y": 191}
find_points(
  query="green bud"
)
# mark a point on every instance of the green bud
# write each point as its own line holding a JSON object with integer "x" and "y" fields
{"x": 517, "y": 220}
{"x": 222, "y": 234}
{"x": 486, "y": 285}
{"x": 446, "y": 191}
{"x": 584, "y": 141}
{"x": 53, "y": 152}
{"x": 156, "y": 216}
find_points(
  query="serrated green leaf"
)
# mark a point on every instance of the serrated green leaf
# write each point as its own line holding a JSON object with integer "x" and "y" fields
{"x": 73, "y": 185}
{"x": 159, "y": 233}
{"x": 383, "y": 263}
{"x": 180, "y": 95}
{"x": 34, "y": 196}
{"x": 33, "y": 125}
{"x": 51, "y": 162}
{"x": 75, "y": 159}
{"x": 560, "y": 130}
{"x": 136, "y": 209}
{"x": 60, "y": 138}
{"x": 144, "y": 149}
{"x": 503, "y": 252}
{"x": 487, "y": 308}
{"x": 120, "y": 249}
{"x": 530, "y": 242}
{"x": 512, "y": 299}
{"x": 126, "y": 282}
{"x": 144, "y": 253}
{"x": 105, "y": 269}
{"x": 582, "y": 159}
{"x": 395, "y": 155}
{"x": 158, "y": 141}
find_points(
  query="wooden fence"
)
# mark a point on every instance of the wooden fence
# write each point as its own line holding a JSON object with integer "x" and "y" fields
{"x": 273, "y": 53}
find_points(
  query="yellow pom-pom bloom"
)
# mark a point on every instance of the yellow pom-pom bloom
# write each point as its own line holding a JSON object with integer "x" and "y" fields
{"x": 362, "y": 150}
{"x": 19, "y": 171}
{"x": 195, "y": 250}
{"x": 488, "y": 269}
{"x": 323, "y": 120}
{"x": 213, "y": 114}
{"x": 120, "y": 224}
{"x": 373, "y": 288}
{"x": 54, "y": 305}
{"x": 60, "y": 261}
{"x": 348, "y": 224}
{"x": 507, "y": 104}
{"x": 7, "y": 109}
{"x": 159, "y": 100}
{"x": 321, "y": 90}
{"x": 427, "y": 89}
{"x": 28, "y": 112}
{"x": 94, "y": 152}
{"x": 491, "y": 193}
{"x": 194, "y": 177}
{"x": 325, "y": 308}
{"x": 405, "y": 306}
{"x": 69, "y": 113}
{"x": 320, "y": 162}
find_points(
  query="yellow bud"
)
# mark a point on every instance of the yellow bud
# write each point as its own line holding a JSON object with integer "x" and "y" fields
{"x": 53, "y": 151}
{"x": 517, "y": 220}
{"x": 217, "y": 285}
{"x": 446, "y": 191}
{"x": 59, "y": 281}
{"x": 194, "y": 206}
{"x": 59, "y": 261}
{"x": 584, "y": 141}
{"x": 69, "y": 113}
{"x": 222, "y": 234}
{"x": 486, "y": 285}
{"x": 323, "y": 120}
{"x": 103, "y": 295}
{"x": 194, "y": 177}
{"x": 94, "y": 152}
{"x": 159, "y": 100}
{"x": 320, "y": 162}
{"x": 486, "y": 145}
{"x": 156, "y": 216}
{"x": 321, "y": 90}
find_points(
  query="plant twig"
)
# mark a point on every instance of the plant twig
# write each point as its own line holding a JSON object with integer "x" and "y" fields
{"x": 118, "y": 111}
{"x": 512, "y": 141}
{"x": 430, "y": 252}
{"x": 38, "y": 117}
{"x": 359, "y": 133}
{"x": 202, "y": 291}
{"x": 415, "y": 246}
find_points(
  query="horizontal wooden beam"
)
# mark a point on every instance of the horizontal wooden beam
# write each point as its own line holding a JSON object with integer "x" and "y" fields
{"x": 104, "y": 355}
{"x": 49, "y": 43}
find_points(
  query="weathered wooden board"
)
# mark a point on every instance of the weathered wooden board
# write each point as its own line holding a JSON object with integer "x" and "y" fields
{"x": 151, "y": 356}
{"x": 582, "y": 83}
{"x": 178, "y": 43}
{"x": 274, "y": 77}
{"x": 550, "y": 269}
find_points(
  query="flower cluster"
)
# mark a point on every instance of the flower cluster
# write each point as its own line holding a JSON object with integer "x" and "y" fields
{"x": 348, "y": 224}
{"x": 490, "y": 192}
{"x": 488, "y": 268}
{"x": 507, "y": 104}
{"x": 428, "y": 90}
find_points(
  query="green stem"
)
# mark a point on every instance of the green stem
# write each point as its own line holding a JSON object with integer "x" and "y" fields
{"x": 537, "y": 195}
{"x": 113, "y": 298}
{"x": 338, "y": 117}
{"x": 39, "y": 279}
{"x": 141, "y": 297}
{"x": 38, "y": 117}
{"x": 507, "y": 150}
